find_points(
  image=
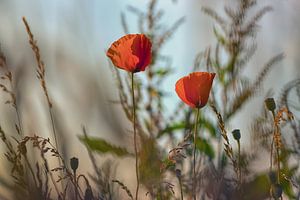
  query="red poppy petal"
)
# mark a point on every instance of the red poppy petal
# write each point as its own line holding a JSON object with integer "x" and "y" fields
{"x": 205, "y": 85}
{"x": 131, "y": 52}
{"x": 180, "y": 90}
{"x": 194, "y": 89}
{"x": 141, "y": 47}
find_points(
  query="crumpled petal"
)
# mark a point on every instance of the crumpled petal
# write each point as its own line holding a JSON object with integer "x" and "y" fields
{"x": 131, "y": 52}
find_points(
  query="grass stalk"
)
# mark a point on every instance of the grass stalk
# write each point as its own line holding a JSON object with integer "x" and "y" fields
{"x": 42, "y": 78}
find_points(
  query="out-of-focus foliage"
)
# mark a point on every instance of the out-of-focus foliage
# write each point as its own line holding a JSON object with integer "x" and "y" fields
{"x": 102, "y": 146}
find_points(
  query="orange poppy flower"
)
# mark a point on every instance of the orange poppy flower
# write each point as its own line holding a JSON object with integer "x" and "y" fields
{"x": 194, "y": 89}
{"x": 131, "y": 52}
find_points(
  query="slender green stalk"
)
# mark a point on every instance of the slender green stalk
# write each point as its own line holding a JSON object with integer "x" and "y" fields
{"x": 76, "y": 189}
{"x": 277, "y": 150}
{"x": 181, "y": 192}
{"x": 271, "y": 156}
{"x": 134, "y": 138}
{"x": 278, "y": 166}
{"x": 272, "y": 145}
{"x": 239, "y": 159}
{"x": 194, "y": 154}
{"x": 219, "y": 151}
{"x": 55, "y": 138}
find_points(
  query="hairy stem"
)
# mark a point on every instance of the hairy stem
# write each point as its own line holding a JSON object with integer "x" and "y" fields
{"x": 134, "y": 138}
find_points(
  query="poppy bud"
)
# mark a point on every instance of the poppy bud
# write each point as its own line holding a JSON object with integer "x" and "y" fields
{"x": 272, "y": 177}
{"x": 74, "y": 163}
{"x": 276, "y": 191}
{"x": 88, "y": 195}
{"x": 236, "y": 134}
{"x": 178, "y": 173}
{"x": 270, "y": 104}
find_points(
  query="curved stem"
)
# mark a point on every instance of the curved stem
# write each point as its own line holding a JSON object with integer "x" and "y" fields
{"x": 194, "y": 155}
{"x": 134, "y": 138}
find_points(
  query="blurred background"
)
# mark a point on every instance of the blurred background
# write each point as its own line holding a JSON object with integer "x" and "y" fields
{"x": 73, "y": 38}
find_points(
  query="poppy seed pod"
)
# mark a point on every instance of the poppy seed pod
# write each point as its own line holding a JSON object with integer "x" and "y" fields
{"x": 276, "y": 191}
{"x": 236, "y": 134}
{"x": 74, "y": 162}
{"x": 194, "y": 89}
{"x": 88, "y": 195}
{"x": 270, "y": 104}
{"x": 272, "y": 177}
{"x": 178, "y": 173}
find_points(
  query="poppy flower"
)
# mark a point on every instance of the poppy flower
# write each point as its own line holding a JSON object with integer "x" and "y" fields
{"x": 194, "y": 89}
{"x": 131, "y": 52}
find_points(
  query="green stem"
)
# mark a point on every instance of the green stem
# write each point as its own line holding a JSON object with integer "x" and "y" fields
{"x": 271, "y": 157}
{"x": 277, "y": 149}
{"x": 272, "y": 144}
{"x": 55, "y": 139}
{"x": 239, "y": 159}
{"x": 278, "y": 166}
{"x": 134, "y": 138}
{"x": 194, "y": 154}
{"x": 181, "y": 192}
{"x": 75, "y": 182}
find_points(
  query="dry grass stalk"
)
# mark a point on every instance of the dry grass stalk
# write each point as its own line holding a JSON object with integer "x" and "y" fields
{"x": 8, "y": 88}
{"x": 41, "y": 77}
